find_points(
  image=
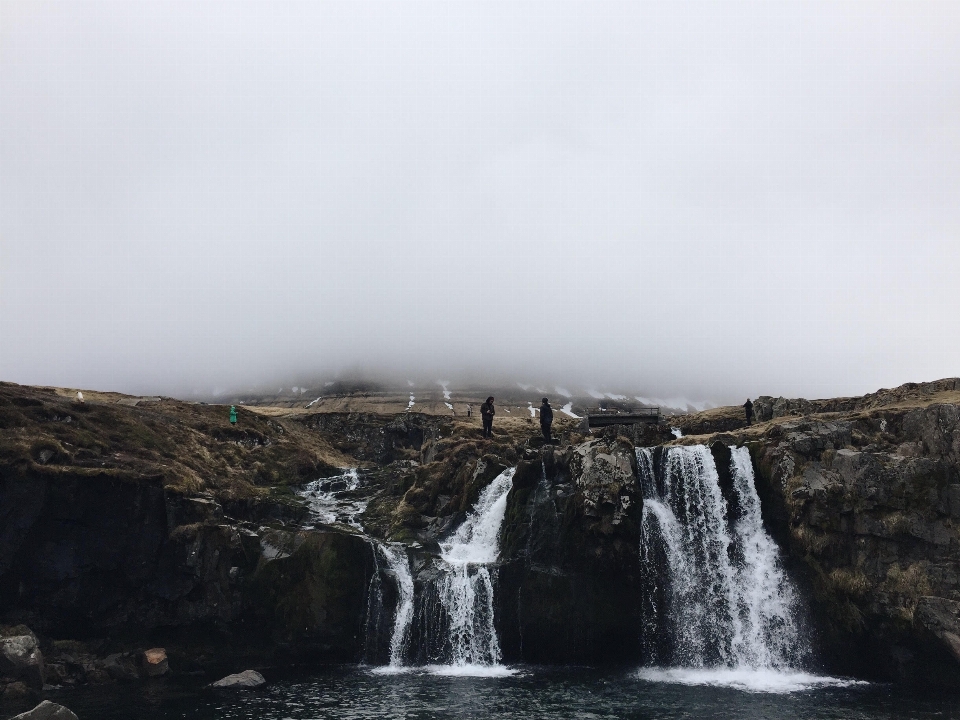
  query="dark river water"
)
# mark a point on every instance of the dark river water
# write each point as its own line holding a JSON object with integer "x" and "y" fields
{"x": 357, "y": 692}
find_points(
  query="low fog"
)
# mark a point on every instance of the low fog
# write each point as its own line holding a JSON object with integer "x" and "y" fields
{"x": 714, "y": 200}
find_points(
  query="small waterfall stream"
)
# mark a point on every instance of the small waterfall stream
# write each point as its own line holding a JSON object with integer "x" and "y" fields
{"x": 446, "y": 620}
{"x": 399, "y": 565}
{"x": 719, "y": 597}
{"x": 466, "y": 588}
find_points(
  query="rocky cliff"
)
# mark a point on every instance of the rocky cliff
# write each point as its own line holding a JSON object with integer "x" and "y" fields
{"x": 126, "y": 524}
{"x": 868, "y": 506}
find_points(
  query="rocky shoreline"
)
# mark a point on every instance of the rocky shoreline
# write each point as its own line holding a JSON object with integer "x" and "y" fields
{"x": 131, "y": 529}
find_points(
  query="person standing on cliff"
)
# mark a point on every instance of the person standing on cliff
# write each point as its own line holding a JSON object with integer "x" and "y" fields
{"x": 487, "y": 412}
{"x": 546, "y": 419}
{"x": 748, "y": 409}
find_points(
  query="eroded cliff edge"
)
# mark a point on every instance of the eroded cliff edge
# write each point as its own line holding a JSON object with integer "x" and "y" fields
{"x": 867, "y": 507}
{"x": 125, "y": 526}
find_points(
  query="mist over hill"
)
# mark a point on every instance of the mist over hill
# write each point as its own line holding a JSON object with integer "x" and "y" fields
{"x": 626, "y": 197}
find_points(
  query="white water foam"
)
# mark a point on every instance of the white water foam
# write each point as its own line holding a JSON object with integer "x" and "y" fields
{"x": 327, "y": 506}
{"x": 477, "y": 671}
{"x": 471, "y": 670}
{"x": 399, "y": 565}
{"x": 762, "y": 680}
{"x": 466, "y": 589}
{"x": 765, "y": 599}
{"x": 722, "y": 599}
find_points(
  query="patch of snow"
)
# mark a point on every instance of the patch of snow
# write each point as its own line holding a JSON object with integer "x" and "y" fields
{"x": 679, "y": 403}
{"x": 295, "y": 389}
{"x": 410, "y": 404}
{"x": 568, "y": 410}
{"x": 563, "y": 391}
{"x": 409, "y": 383}
{"x": 595, "y": 394}
{"x": 313, "y": 402}
{"x": 524, "y": 387}
{"x": 328, "y": 384}
{"x": 532, "y": 409}
{"x": 616, "y": 397}
{"x": 446, "y": 392}
{"x": 677, "y": 432}
{"x": 449, "y": 405}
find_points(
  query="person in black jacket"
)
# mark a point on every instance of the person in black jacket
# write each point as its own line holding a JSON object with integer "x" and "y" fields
{"x": 487, "y": 412}
{"x": 748, "y": 409}
{"x": 546, "y": 419}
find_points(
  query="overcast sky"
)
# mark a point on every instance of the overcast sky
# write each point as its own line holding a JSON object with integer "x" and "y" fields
{"x": 713, "y": 199}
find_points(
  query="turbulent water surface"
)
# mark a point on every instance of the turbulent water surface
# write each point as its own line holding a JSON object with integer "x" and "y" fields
{"x": 357, "y": 693}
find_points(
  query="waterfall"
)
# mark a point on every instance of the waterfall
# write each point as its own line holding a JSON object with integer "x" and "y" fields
{"x": 399, "y": 566}
{"x": 718, "y": 595}
{"x": 466, "y": 586}
{"x": 333, "y": 500}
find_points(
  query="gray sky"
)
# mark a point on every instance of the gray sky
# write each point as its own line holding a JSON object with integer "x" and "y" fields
{"x": 714, "y": 199}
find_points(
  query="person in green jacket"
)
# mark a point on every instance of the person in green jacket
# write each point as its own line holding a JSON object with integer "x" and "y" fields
{"x": 233, "y": 415}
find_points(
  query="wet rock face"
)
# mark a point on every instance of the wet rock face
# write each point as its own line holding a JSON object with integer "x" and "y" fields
{"x": 21, "y": 659}
{"x": 376, "y": 438}
{"x": 46, "y": 711}
{"x": 96, "y": 556}
{"x": 245, "y": 679}
{"x": 606, "y": 478}
{"x": 570, "y": 582}
{"x": 868, "y": 506}
{"x": 310, "y": 596}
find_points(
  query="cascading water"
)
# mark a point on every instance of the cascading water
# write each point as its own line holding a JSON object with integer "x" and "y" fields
{"x": 466, "y": 586}
{"x": 332, "y": 500}
{"x": 718, "y": 597}
{"x": 335, "y": 500}
{"x": 398, "y": 565}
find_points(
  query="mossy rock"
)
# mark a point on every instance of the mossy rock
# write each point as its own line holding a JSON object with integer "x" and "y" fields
{"x": 316, "y": 597}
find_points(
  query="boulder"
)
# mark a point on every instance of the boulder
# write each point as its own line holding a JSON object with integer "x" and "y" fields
{"x": 122, "y": 666}
{"x": 154, "y": 662}
{"x": 17, "y": 691}
{"x": 940, "y": 617}
{"x": 20, "y": 658}
{"x": 46, "y": 711}
{"x": 606, "y": 477}
{"x": 245, "y": 679}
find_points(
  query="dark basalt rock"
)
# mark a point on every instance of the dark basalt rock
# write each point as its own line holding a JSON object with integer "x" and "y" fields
{"x": 46, "y": 711}
{"x": 101, "y": 556}
{"x": 865, "y": 509}
{"x": 570, "y": 581}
